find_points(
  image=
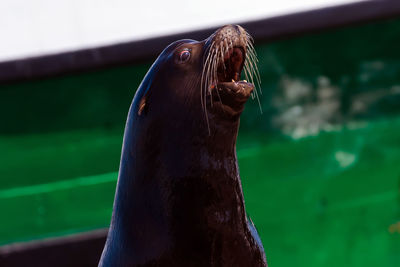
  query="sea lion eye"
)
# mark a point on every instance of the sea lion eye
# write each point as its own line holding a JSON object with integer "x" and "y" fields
{"x": 184, "y": 55}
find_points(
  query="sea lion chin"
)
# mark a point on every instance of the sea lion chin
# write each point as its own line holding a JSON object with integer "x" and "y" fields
{"x": 179, "y": 200}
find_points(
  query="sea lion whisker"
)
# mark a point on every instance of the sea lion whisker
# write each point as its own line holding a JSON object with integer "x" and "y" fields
{"x": 250, "y": 42}
{"x": 252, "y": 55}
{"x": 247, "y": 76}
{"x": 258, "y": 100}
{"x": 214, "y": 73}
{"x": 250, "y": 70}
{"x": 253, "y": 67}
{"x": 205, "y": 110}
{"x": 222, "y": 58}
{"x": 207, "y": 68}
{"x": 202, "y": 84}
{"x": 226, "y": 45}
{"x": 217, "y": 64}
{"x": 205, "y": 84}
{"x": 251, "y": 49}
{"x": 211, "y": 60}
{"x": 254, "y": 59}
{"x": 210, "y": 79}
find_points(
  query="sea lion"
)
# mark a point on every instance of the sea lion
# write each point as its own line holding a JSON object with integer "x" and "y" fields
{"x": 179, "y": 199}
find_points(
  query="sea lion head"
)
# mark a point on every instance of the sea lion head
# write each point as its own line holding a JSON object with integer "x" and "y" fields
{"x": 200, "y": 80}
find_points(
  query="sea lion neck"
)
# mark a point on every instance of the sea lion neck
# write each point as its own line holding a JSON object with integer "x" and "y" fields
{"x": 175, "y": 149}
{"x": 183, "y": 184}
{"x": 178, "y": 144}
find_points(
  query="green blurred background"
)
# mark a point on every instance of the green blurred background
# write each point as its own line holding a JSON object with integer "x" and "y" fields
{"x": 320, "y": 166}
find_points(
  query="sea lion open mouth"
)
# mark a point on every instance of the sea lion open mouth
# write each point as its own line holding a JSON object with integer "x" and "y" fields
{"x": 231, "y": 67}
{"x": 230, "y": 52}
{"x": 229, "y": 73}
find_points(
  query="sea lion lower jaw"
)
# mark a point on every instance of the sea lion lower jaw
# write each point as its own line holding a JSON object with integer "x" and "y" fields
{"x": 239, "y": 91}
{"x": 232, "y": 96}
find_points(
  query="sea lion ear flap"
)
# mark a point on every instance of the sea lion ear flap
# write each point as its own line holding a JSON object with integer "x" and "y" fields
{"x": 142, "y": 105}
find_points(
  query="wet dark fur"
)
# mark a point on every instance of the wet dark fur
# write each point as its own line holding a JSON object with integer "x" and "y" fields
{"x": 179, "y": 199}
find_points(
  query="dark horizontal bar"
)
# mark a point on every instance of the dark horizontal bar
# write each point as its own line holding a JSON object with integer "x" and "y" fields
{"x": 83, "y": 249}
{"x": 138, "y": 51}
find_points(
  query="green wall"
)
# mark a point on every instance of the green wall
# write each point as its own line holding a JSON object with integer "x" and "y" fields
{"x": 320, "y": 165}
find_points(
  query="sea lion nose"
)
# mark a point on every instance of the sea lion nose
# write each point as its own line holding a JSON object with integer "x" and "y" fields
{"x": 230, "y": 30}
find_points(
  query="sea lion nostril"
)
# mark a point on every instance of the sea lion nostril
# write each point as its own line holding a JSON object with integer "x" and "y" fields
{"x": 237, "y": 29}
